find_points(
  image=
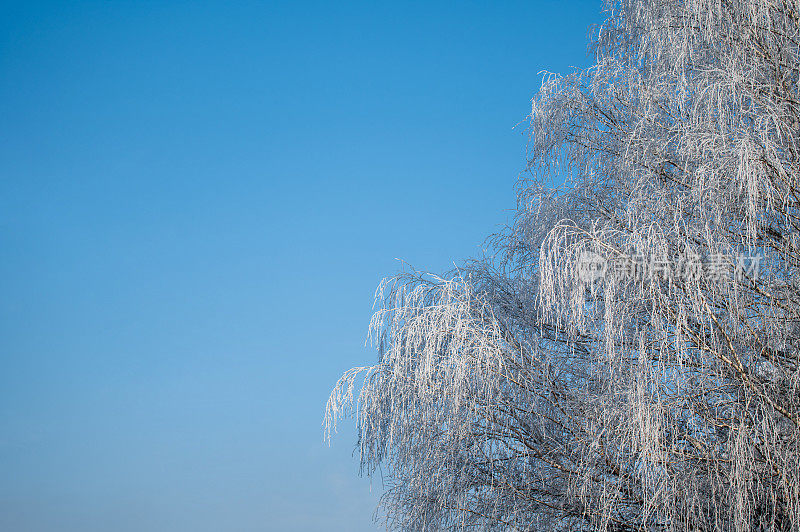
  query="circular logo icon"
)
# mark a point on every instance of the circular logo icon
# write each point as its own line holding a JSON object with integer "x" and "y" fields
{"x": 591, "y": 266}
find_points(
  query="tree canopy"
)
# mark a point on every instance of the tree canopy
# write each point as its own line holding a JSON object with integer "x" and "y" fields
{"x": 628, "y": 357}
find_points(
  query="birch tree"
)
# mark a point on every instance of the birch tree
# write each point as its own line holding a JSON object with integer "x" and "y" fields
{"x": 627, "y": 358}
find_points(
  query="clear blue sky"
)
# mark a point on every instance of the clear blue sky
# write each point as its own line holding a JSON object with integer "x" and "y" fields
{"x": 197, "y": 201}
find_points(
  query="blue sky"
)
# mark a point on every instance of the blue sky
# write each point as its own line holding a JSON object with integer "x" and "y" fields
{"x": 197, "y": 201}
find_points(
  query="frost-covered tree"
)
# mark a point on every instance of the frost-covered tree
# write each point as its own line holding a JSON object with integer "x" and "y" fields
{"x": 528, "y": 391}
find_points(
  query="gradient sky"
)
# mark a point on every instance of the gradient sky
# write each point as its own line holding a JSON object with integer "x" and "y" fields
{"x": 197, "y": 201}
